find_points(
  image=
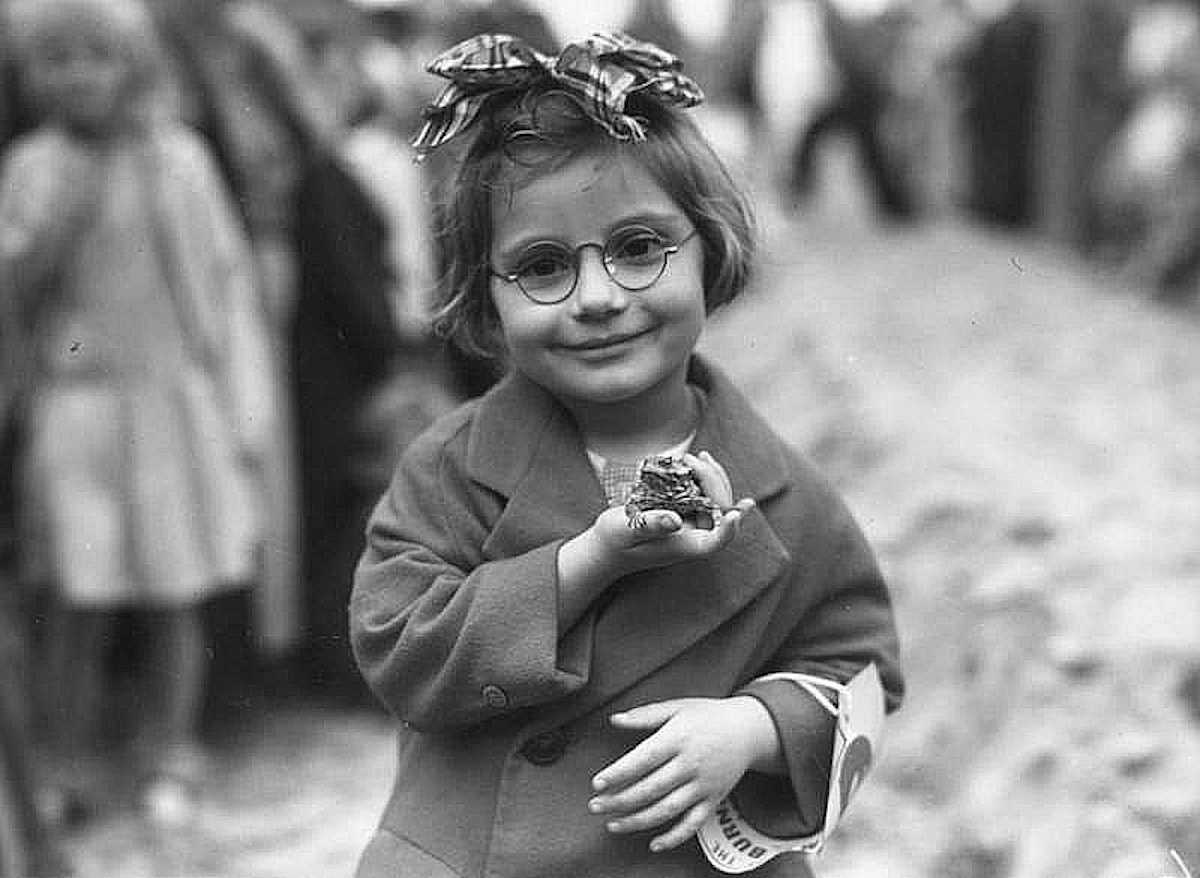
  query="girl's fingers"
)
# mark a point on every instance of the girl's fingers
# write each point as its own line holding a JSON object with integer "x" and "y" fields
{"x": 646, "y": 716}
{"x": 641, "y": 794}
{"x": 726, "y": 484}
{"x": 743, "y": 506}
{"x": 678, "y": 801}
{"x": 634, "y": 765}
{"x": 658, "y": 523}
{"x": 725, "y": 527}
{"x": 688, "y": 826}
{"x": 647, "y": 756}
{"x": 713, "y": 479}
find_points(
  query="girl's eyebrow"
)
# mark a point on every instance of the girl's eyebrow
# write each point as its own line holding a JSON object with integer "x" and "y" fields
{"x": 655, "y": 219}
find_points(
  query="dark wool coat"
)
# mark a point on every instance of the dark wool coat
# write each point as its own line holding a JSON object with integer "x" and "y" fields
{"x": 504, "y": 714}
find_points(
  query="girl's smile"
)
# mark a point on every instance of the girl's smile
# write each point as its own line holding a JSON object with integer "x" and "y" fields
{"x": 603, "y": 343}
{"x": 606, "y": 345}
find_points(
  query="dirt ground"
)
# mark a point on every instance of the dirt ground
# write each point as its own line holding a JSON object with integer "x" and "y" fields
{"x": 1021, "y": 440}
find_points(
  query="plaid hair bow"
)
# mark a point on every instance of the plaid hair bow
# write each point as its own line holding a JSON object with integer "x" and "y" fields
{"x": 602, "y": 71}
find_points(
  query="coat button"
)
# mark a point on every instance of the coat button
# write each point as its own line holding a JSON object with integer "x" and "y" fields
{"x": 494, "y": 696}
{"x": 546, "y": 748}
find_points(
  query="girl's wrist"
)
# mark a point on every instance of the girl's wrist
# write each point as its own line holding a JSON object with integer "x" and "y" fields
{"x": 583, "y": 559}
{"x": 584, "y": 571}
{"x": 765, "y": 755}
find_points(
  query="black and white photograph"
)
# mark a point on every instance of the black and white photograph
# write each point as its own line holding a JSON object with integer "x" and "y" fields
{"x": 640, "y": 439}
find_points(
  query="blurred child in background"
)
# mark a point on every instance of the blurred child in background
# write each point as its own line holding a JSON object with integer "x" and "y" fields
{"x": 129, "y": 275}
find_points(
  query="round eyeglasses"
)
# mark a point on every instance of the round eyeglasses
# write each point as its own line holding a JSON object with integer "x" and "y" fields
{"x": 634, "y": 257}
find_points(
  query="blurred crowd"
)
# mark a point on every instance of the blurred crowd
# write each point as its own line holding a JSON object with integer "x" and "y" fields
{"x": 217, "y": 292}
{"x": 1078, "y": 120}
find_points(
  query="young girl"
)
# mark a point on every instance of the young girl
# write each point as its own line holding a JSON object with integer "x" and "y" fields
{"x": 129, "y": 274}
{"x": 576, "y": 696}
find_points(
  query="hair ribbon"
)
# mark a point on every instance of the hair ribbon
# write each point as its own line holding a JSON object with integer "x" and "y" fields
{"x": 601, "y": 71}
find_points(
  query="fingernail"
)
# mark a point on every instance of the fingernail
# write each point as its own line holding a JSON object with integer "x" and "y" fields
{"x": 594, "y": 805}
{"x": 612, "y": 826}
{"x": 656, "y": 846}
{"x": 599, "y": 783}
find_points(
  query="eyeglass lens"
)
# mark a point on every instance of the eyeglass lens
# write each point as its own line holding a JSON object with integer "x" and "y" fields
{"x": 634, "y": 258}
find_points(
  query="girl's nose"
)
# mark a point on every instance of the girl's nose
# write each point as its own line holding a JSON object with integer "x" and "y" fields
{"x": 595, "y": 290}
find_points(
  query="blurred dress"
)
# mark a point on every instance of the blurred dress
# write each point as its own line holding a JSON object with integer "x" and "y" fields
{"x": 140, "y": 423}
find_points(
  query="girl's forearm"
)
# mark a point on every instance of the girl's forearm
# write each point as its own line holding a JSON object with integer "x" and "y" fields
{"x": 584, "y": 572}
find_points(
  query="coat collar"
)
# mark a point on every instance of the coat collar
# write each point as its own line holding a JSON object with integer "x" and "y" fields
{"x": 518, "y": 425}
{"x": 656, "y": 615}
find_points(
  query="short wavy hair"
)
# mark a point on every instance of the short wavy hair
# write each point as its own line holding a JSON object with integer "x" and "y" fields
{"x": 524, "y": 134}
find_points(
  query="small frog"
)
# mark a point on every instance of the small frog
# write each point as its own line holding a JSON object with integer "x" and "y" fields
{"x": 667, "y": 482}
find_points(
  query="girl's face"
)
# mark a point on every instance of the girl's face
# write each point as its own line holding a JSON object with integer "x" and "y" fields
{"x": 84, "y": 77}
{"x": 602, "y": 344}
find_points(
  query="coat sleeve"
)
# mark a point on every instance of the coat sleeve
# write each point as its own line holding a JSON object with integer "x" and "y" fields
{"x": 845, "y": 623}
{"x": 445, "y": 636}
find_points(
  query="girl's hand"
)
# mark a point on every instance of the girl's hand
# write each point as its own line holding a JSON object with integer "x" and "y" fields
{"x": 699, "y": 750}
{"x": 664, "y": 538}
{"x": 591, "y": 561}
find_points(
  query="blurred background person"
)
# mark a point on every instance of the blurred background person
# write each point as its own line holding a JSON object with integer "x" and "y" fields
{"x": 818, "y": 73}
{"x": 1148, "y": 183}
{"x": 130, "y": 278}
{"x": 927, "y": 116}
{"x": 366, "y": 373}
{"x": 861, "y": 53}
{"x": 787, "y": 76}
{"x": 1001, "y": 76}
{"x": 240, "y": 77}
{"x": 27, "y": 848}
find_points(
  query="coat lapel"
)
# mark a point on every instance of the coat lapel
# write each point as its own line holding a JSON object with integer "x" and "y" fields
{"x": 526, "y": 447}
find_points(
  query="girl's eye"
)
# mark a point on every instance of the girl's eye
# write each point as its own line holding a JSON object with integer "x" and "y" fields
{"x": 637, "y": 245}
{"x": 544, "y": 264}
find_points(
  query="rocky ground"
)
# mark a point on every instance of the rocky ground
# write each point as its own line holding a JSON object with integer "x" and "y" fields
{"x": 1020, "y": 437}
